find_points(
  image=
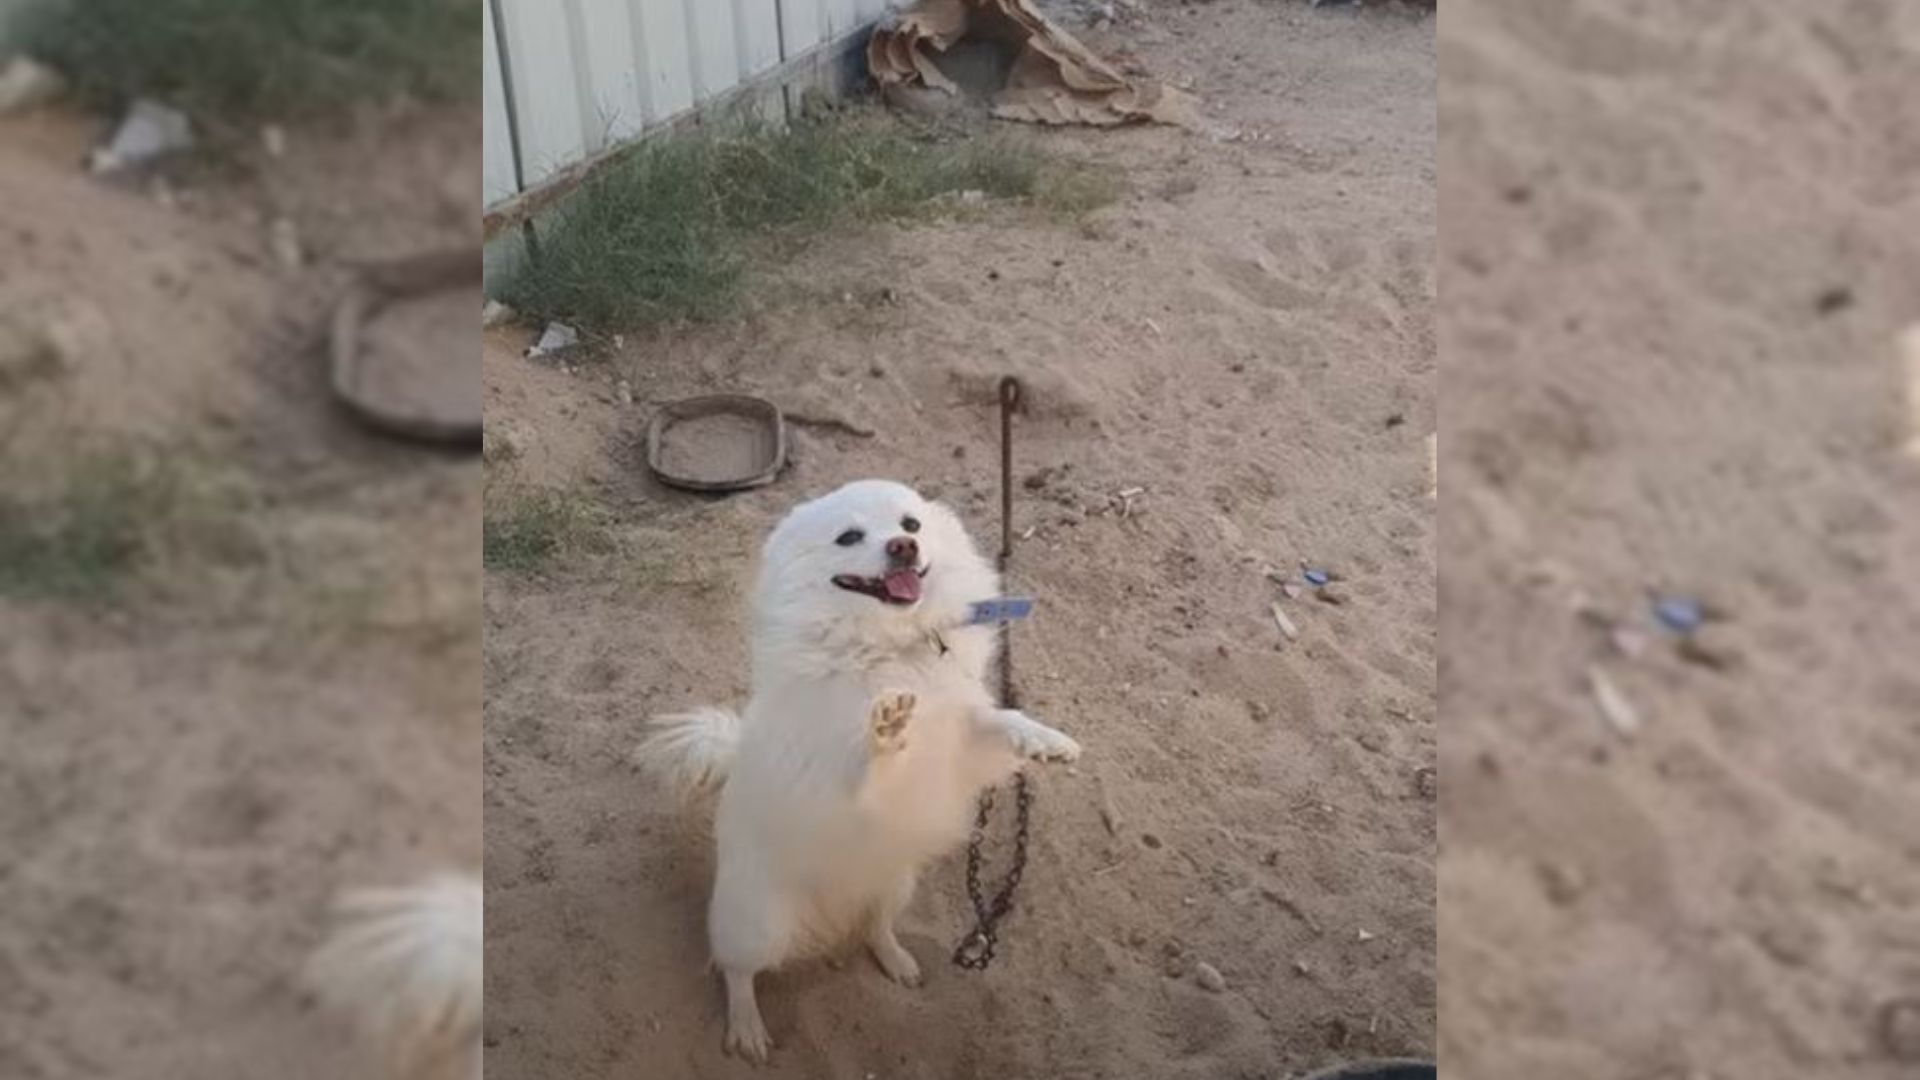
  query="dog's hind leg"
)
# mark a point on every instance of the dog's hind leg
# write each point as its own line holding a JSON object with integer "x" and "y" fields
{"x": 746, "y": 1031}
{"x": 751, "y": 930}
{"x": 893, "y": 957}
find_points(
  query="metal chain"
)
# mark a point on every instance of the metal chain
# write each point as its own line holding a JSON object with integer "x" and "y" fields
{"x": 976, "y": 950}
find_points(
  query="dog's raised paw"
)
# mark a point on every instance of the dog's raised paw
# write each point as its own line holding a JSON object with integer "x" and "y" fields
{"x": 887, "y": 721}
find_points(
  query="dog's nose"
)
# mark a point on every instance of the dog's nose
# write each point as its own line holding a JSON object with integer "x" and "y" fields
{"x": 904, "y": 549}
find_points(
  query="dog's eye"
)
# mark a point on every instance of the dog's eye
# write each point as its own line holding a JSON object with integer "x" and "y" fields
{"x": 911, "y": 524}
{"x": 850, "y": 538}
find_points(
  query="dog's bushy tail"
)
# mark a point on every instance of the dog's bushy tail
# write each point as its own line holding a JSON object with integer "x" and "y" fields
{"x": 407, "y": 964}
{"x": 691, "y": 751}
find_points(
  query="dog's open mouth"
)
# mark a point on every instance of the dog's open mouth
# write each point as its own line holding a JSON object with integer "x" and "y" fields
{"x": 899, "y": 586}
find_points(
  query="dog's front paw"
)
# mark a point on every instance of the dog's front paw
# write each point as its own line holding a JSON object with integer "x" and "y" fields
{"x": 887, "y": 722}
{"x": 1038, "y": 742}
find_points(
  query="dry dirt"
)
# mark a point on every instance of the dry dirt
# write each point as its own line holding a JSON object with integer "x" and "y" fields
{"x": 193, "y": 770}
{"x": 1678, "y": 247}
{"x": 1248, "y": 338}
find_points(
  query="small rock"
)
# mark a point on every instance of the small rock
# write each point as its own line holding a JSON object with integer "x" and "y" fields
{"x": 1364, "y": 936}
{"x": 284, "y": 238}
{"x": 1794, "y": 945}
{"x": 150, "y": 131}
{"x": 1900, "y": 1029}
{"x": 26, "y": 83}
{"x": 1150, "y": 840}
{"x": 1709, "y": 648}
{"x": 1372, "y": 741}
{"x": 624, "y": 390}
{"x": 972, "y": 197}
{"x": 27, "y": 355}
{"x": 494, "y": 313}
{"x": 1563, "y": 884}
{"x": 1209, "y": 977}
{"x": 1334, "y": 594}
{"x": 1627, "y": 641}
{"x": 1259, "y": 712}
{"x": 1301, "y": 969}
{"x": 274, "y": 138}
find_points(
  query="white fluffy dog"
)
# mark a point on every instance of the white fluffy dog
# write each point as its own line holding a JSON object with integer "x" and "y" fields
{"x": 869, "y": 736}
{"x": 407, "y": 965}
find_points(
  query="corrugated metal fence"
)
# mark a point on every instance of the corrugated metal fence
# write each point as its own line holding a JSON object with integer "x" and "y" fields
{"x": 567, "y": 79}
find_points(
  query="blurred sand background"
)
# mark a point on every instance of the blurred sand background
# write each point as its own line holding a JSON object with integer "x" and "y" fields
{"x": 1678, "y": 243}
{"x": 259, "y": 683}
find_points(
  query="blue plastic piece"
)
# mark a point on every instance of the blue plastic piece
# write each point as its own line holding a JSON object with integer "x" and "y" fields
{"x": 1680, "y": 614}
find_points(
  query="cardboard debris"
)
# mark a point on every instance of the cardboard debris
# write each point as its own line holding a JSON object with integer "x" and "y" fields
{"x": 1049, "y": 78}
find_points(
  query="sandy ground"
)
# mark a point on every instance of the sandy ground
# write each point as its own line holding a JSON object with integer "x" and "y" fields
{"x": 1248, "y": 338}
{"x": 191, "y": 772}
{"x": 1678, "y": 244}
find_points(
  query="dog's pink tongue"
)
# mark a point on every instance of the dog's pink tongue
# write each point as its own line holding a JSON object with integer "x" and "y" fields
{"x": 902, "y": 584}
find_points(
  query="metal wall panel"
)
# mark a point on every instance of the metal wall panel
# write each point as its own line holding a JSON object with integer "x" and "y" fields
{"x": 546, "y": 99}
{"x": 566, "y": 79}
{"x": 617, "y": 106}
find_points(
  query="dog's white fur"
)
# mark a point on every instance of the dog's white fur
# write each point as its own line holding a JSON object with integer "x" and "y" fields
{"x": 407, "y": 964}
{"x": 862, "y": 750}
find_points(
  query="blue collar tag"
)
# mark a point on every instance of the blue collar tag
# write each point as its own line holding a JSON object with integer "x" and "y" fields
{"x": 1002, "y": 609}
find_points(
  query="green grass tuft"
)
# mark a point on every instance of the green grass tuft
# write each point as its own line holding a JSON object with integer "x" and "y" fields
{"x": 86, "y": 536}
{"x": 667, "y": 233}
{"x": 240, "y": 59}
{"x": 522, "y": 532}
